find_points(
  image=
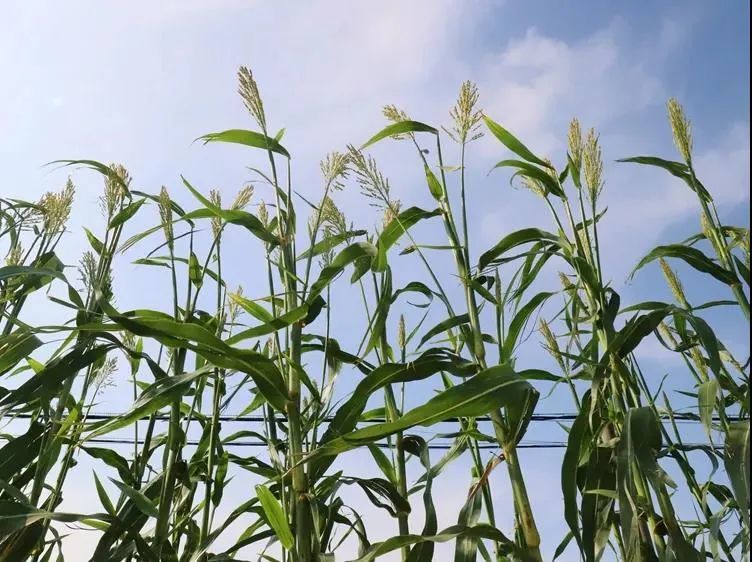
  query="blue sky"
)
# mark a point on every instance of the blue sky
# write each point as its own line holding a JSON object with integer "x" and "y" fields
{"x": 138, "y": 82}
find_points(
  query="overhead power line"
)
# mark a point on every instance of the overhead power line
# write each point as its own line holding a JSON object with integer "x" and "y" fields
{"x": 547, "y": 417}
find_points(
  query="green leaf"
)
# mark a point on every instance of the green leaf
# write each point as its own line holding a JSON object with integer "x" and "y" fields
{"x": 330, "y": 242}
{"x": 524, "y": 236}
{"x": 434, "y": 186}
{"x": 399, "y": 128}
{"x": 576, "y": 442}
{"x": 423, "y": 552}
{"x": 194, "y": 271}
{"x": 398, "y": 226}
{"x": 15, "y": 347}
{"x": 379, "y": 489}
{"x": 252, "y": 307}
{"x": 95, "y": 242}
{"x": 736, "y": 457}
{"x": 354, "y": 252}
{"x": 466, "y": 548}
{"x": 287, "y": 319}
{"x": 15, "y": 516}
{"x": 158, "y": 395}
{"x": 693, "y": 257}
{"x": 20, "y": 451}
{"x": 349, "y": 413}
{"x": 46, "y": 384}
{"x": 676, "y": 169}
{"x": 144, "y": 504}
{"x": 234, "y": 216}
{"x": 534, "y": 172}
{"x": 481, "y": 531}
{"x": 126, "y": 214}
{"x": 112, "y": 459}
{"x": 520, "y": 321}
{"x": 706, "y": 401}
{"x": 197, "y": 338}
{"x": 511, "y": 142}
{"x": 275, "y": 516}
{"x": 247, "y": 138}
{"x": 490, "y": 389}
{"x": 445, "y": 325}
{"x": 102, "y": 493}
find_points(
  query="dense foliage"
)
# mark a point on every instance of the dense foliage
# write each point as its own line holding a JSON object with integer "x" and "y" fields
{"x": 214, "y": 350}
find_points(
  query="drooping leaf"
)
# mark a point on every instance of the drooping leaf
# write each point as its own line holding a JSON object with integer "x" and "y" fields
{"x": 693, "y": 257}
{"x": 399, "y": 128}
{"x": 247, "y": 138}
{"x": 512, "y": 143}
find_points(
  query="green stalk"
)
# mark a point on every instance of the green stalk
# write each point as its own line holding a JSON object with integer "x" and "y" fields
{"x": 216, "y": 399}
{"x": 172, "y": 449}
{"x": 521, "y": 498}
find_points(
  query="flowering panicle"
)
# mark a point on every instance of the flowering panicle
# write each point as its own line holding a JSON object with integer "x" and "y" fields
{"x": 243, "y": 197}
{"x": 401, "y": 336}
{"x": 574, "y": 144}
{"x": 55, "y": 208}
{"x": 673, "y": 283}
{"x": 263, "y": 213}
{"x": 466, "y": 117}
{"x": 592, "y": 160}
{"x": 681, "y": 128}
{"x": 116, "y": 190}
{"x": 216, "y": 222}
{"x": 373, "y": 184}
{"x": 165, "y": 214}
{"x": 396, "y": 115}
{"x": 551, "y": 345}
{"x": 249, "y": 92}
{"x": 335, "y": 169}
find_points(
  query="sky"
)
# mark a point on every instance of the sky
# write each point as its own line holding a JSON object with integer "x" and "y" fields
{"x": 137, "y": 82}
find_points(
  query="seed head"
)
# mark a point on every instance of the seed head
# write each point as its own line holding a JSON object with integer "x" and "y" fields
{"x": 56, "y": 207}
{"x": 575, "y": 144}
{"x": 216, "y": 222}
{"x": 334, "y": 169}
{"x": 466, "y": 117}
{"x": 681, "y": 128}
{"x": 248, "y": 90}
{"x": 14, "y": 255}
{"x": 263, "y": 213}
{"x": 391, "y": 211}
{"x": 699, "y": 361}
{"x": 665, "y": 333}
{"x": 534, "y": 185}
{"x": 401, "y": 337}
{"x": 233, "y": 308}
{"x": 566, "y": 283}
{"x": 592, "y": 160}
{"x": 551, "y": 345}
{"x": 104, "y": 375}
{"x": 91, "y": 279}
{"x": 584, "y": 242}
{"x": 395, "y": 115}
{"x": 673, "y": 283}
{"x": 243, "y": 197}
{"x": 165, "y": 214}
{"x": 116, "y": 189}
{"x": 372, "y": 182}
